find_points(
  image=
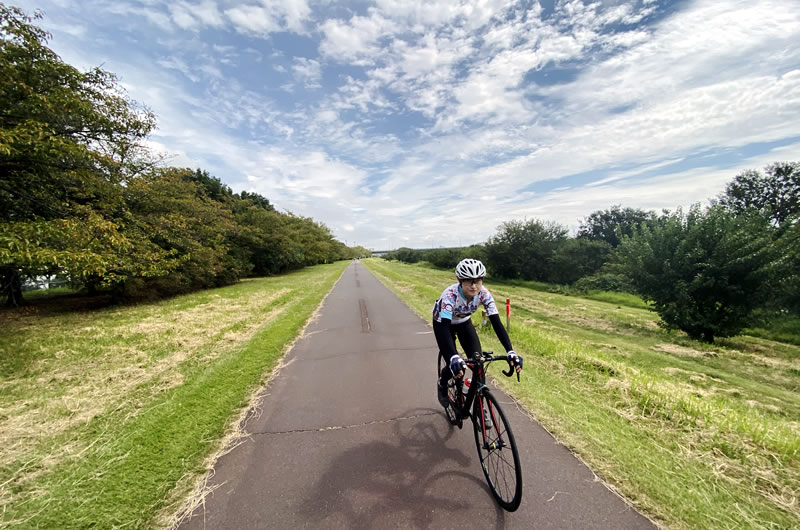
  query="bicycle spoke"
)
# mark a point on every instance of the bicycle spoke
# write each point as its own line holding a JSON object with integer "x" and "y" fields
{"x": 499, "y": 470}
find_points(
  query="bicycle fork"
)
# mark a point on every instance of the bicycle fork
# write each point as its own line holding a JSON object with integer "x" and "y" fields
{"x": 498, "y": 443}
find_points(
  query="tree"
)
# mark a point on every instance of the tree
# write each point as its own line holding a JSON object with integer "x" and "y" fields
{"x": 577, "y": 258}
{"x": 524, "y": 249}
{"x": 69, "y": 141}
{"x": 178, "y": 217}
{"x": 705, "y": 272}
{"x": 448, "y": 258}
{"x": 786, "y": 280}
{"x": 405, "y": 254}
{"x": 613, "y": 224}
{"x": 213, "y": 186}
{"x": 775, "y": 193}
{"x": 256, "y": 200}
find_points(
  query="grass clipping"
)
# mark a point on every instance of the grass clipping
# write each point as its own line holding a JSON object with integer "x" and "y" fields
{"x": 135, "y": 353}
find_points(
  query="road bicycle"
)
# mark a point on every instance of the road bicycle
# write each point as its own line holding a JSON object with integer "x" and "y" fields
{"x": 497, "y": 449}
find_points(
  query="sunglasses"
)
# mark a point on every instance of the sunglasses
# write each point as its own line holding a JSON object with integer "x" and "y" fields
{"x": 473, "y": 281}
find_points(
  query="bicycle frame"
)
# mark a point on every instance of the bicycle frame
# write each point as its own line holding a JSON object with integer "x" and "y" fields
{"x": 477, "y": 364}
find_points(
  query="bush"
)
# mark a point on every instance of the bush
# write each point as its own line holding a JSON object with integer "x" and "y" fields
{"x": 705, "y": 272}
{"x": 604, "y": 281}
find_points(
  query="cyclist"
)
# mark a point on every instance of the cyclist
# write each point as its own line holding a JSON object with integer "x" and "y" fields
{"x": 451, "y": 319}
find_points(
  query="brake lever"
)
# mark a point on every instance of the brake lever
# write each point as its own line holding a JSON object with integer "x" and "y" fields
{"x": 510, "y": 372}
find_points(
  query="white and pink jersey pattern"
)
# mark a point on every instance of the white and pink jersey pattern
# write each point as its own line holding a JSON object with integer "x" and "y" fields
{"x": 453, "y": 305}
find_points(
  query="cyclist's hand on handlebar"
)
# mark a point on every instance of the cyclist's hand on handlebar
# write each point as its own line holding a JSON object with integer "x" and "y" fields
{"x": 514, "y": 360}
{"x": 457, "y": 366}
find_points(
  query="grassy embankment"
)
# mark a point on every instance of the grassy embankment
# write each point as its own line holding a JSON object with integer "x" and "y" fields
{"x": 107, "y": 417}
{"x": 695, "y": 435}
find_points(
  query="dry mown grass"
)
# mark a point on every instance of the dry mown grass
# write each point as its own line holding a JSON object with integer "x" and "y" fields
{"x": 105, "y": 364}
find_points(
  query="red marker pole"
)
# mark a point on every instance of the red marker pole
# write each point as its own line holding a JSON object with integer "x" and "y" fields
{"x": 508, "y": 313}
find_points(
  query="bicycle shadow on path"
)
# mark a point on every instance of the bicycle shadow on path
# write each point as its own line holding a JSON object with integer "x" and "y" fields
{"x": 420, "y": 476}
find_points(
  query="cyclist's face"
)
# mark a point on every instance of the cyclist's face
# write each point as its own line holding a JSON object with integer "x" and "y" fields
{"x": 472, "y": 287}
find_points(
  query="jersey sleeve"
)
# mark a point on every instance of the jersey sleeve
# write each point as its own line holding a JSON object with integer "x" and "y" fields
{"x": 446, "y": 305}
{"x": 488, "y": 303}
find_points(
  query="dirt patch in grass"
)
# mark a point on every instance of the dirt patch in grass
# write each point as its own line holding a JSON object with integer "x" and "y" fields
{"x": 682, "y": 351}
{"x": 773, "y": 362}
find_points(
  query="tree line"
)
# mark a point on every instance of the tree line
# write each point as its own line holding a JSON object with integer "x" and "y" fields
{"x": 709, "y": 271}
{"x": 81, "y": 195}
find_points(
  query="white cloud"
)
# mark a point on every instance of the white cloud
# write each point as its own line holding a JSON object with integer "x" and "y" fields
{"x": 308, "y": 71}
{"x": 182, "y": 16}
{"x": 472, "y": 15}
{"x": 253, "y": 19}
{"x": 175, "y": 63}
{"x": 207, "y": 13}
{"x": 357, "y": 39}
{"x": 270, "y": 16}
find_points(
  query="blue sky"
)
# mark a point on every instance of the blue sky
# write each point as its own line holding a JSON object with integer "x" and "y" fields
{"x": 429, "y": 123}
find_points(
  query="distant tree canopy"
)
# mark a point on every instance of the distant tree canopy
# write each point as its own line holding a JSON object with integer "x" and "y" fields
{"x": 81, "y": 196}
{"x": 578, "y": 258}
{"x": 775, "y": 193}
{"x": 524, "y": 249}
{"x": 613, "y": 224}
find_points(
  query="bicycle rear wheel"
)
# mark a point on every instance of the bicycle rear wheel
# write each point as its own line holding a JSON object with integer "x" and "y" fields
{"x": 454, "y": 393}
{"x": 497, "y": 451}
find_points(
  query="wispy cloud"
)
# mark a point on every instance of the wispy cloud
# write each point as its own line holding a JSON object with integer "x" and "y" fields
{"x": 427, "y": 123}
{"x": 308, "y": 71}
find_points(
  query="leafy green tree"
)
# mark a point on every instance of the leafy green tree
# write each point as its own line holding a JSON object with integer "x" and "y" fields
{"x": 263, "y": 238}
{"x": 613, "y": 224}
{"x": 448, "y": 258}
{"x": 578, "y": 257}
{"x": 84, "y": 248}
{"x": 405, "y": 254}
{"x": 256, "y": 200}
{"x": 69, "y": 141}
{"x": 775, "y": 193}
{"x": 785, "y": 282}
{"x": 313, "y": 241}
{"x": 524, "y": 249}
{"x": 177, "y": 216}
{"x": 705, "y": 272}
{"x": 213, "y": 186}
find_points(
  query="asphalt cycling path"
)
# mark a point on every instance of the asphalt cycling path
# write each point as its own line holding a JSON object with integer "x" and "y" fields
{"x": 350, "y": 435}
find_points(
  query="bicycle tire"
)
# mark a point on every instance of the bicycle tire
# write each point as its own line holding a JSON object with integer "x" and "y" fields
{"x": 499, "y": 457}
{"x": 455, "y": 395}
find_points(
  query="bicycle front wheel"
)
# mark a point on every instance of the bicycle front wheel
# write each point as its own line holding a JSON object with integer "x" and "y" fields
{"x": 497, "y": 451}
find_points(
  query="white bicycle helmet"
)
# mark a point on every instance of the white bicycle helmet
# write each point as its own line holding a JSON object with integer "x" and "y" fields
{"x": 468, "y": 269}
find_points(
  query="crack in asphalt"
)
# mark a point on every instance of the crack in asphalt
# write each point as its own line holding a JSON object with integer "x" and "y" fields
{"x": 338, "y": 427}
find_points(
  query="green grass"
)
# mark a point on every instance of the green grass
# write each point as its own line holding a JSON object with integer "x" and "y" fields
{"x": 695, "y": 435}
{"x": 55, "y": 291}
{"x": 783, "y": 328}
{"x": 105, "y": 414}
